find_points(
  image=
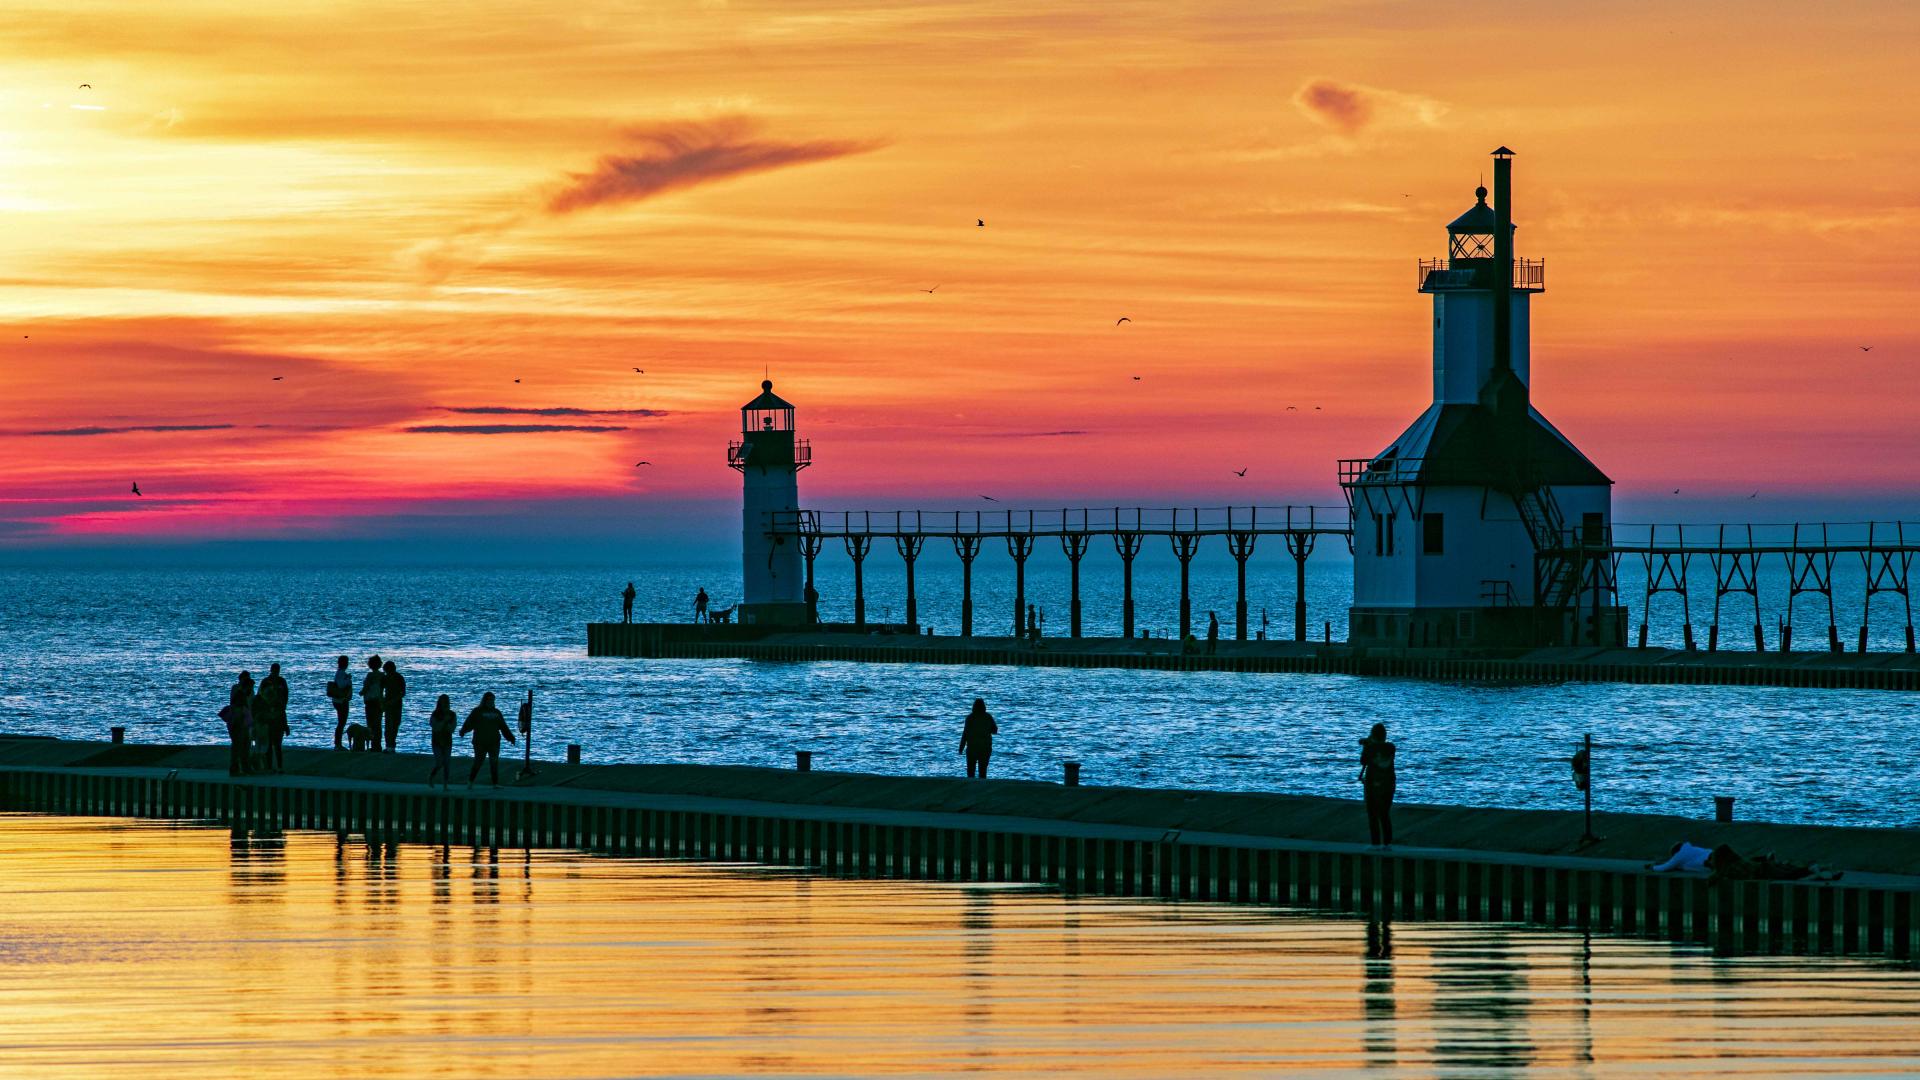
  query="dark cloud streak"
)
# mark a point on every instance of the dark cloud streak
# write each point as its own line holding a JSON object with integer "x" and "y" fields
{"x": 138, "y": 428}
{"x": 503, "y": 410}
{"x": 506, "y": 429}
{"x": 672, "y": 156}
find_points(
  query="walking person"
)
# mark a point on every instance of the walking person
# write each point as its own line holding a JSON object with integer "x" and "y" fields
{"x": 487, "y": 727}
{"x": 1377, "y": 784}
{"x": 700, "y": 602}
{"x": 271, "y": 728}
{"x": 239, "y": 719}
{"x": 370, "y": 692}
{"x": 340, "y": 692}
{"x": 393, "y": 693}
{"x": 441, "y": 725}
{"x": 976, "y": 739}
{"x": 626, "y": 604}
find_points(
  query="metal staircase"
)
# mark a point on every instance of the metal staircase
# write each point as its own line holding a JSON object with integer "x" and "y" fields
{"x": 1555, "y": 575}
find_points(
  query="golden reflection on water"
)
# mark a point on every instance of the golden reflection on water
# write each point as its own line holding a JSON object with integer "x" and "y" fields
{"x": 135, "y": 949}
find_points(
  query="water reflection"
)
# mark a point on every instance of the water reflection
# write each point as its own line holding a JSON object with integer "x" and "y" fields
{"x": 312, "y": 954}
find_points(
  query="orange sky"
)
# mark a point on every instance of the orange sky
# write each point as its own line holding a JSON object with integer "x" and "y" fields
{"x": 400, "y": 209}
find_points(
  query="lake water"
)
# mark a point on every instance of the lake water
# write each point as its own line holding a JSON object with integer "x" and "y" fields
{"x": 137, "y": 949}
{"x": 81, "y": 651}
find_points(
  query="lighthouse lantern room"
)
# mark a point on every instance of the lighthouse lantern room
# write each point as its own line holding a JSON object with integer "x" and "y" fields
{"x": 769, "y": 458}
{"x": 1471, "y": 529}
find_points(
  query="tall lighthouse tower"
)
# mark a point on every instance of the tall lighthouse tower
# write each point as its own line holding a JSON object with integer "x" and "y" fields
{"x": 1468, "y": 530}
{"x": 769, "y": 458}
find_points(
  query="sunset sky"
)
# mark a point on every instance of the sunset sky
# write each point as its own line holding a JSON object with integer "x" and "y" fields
{"x": 398, "y": 209}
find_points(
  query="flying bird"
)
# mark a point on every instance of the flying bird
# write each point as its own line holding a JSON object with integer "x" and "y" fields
{"x": 1293, "y": 408}
{"x": 1866, "y": 348}
{"x": 980, "y": 222}
{"x": 1120, "y": 320}
{"x": 1316, "y": 408}
{"x": 1239, "y": 472}
{"x": 989, "y": 498}
{"x": 277, "y": 378}
{"x": 516, "y": 380}
{"x": 930, "y": 291}
{"x": 1136, "y": 378}
{"x": 637, "y": 464}
{"x": 1676, "y": 491}
{"x": 636, "y": 371}
{"x": 136, "y": 487}
{"x": 1755, "y": 495}
{"x": 86, "y": 86}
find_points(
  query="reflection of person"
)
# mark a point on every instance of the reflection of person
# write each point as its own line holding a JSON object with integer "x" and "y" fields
{"x": 1377, "y": 782}
{"x": 340, "y": 692}
{"x": 441, "y": 725}
{"x": 487, "y": 727}
{"x": 976, "y": 739}
{"x": 626, "y": 604}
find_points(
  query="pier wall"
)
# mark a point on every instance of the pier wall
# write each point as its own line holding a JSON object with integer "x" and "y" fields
{"x": 1825, "y": 670}
{"x": 866, "y": 826}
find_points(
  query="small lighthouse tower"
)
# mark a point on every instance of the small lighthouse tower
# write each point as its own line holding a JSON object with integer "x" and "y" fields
{"x": 1468, "y": 530}
{"x": 769, "y": 458}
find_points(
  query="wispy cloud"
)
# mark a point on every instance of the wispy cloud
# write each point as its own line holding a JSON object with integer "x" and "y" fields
{"x": 85, "y": 431}
{"x": 1350, "y": 108}
{"x": 672, "y": 156}
{"x": 503, "y": 410}
{"x": 506, "y": 429}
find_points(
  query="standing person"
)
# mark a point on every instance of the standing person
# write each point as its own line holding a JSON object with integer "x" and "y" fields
{"x": 441, "y": 725}
{"x": 239, "y": 718}
{"x": 1033, "y": 624}
{"x": 813, "y": 603}
{"x": 626, "y": 604}
{"x": 1377, "y": 783}
{"x": 487, "y": 726}
{"x": 340, "y": 692}
{"x": 393, "y": 692}
{"x": 526, "y": 730}
{"x": 1213, "y": 632}
{"x": 273, "y": 696}
{"x": 976, "y": 739}
{"x": 370, "y": 688}
{"x": 700, "y": 605}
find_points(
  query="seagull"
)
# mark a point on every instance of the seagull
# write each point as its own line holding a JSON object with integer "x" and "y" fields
{"x": 636, "y": 371}
{"x": 637, "y": 464}
{"x": 1239, "y": 472}
{"x": 989, "y": 498}
{"x": 1866, "y": 348}
{"x": 930, "y": 291}
{"x": 86, "y": 86}
{"x": 1755, "y": 495}
{"x": 1136, "y": 378}
{"x": 516, "y": 380}
{"x": 277, "y": 378}
{"x": 1293, "y": 408}
{"x": 1120, "y": 320}
{"x": 136, "y": 487}
{"x": 1316, "y": 408}
{"x": 1676, "y": 491}
{"x": 981, "y": 222}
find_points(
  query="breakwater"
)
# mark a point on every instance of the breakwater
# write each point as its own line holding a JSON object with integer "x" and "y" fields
{"x": 1455, "y": 863}
{"x": 1810, "y": 670}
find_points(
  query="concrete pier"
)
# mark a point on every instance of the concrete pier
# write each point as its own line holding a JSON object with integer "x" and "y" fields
{"x": 1457, "y": 863}
{"x": 1825, "y": 670}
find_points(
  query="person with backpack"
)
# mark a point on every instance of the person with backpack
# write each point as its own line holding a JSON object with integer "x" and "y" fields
{"x": 487, "y": 727}
{"x": 270, "y": 721}
{"x": 370, "y": 690}
{"x": 340, "y": 692}
{"x": 441, "y": 725}
{"x": 393, "y": 693}
{"x": 976, "y": 739}
{"x": 1377, "y": 783}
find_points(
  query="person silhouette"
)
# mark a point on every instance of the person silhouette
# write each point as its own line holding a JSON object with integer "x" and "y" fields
{"x": 976, "y": 739}
{"x": 626, "y": 604}
{"x": 813, "y": 603}
{"x": 441, "y": 725}
{"x": 1033, "y": 624}
{"x": 1213, "y": 632}
{"x": 340, "y": 692}
{"x": 700, "y": 605}
{"x": 487, "y": 727}
{"x": 370, "y": 688}
{"x": 270, "y": 715}
{"x": 393, "y": 692}
{"x": 239, "y": 718}
{"x": 1377, "y": 783}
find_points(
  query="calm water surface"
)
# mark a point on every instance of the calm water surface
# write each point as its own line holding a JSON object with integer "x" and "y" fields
{"x": 144, "y": 949}
{"x": 156, "y": 650}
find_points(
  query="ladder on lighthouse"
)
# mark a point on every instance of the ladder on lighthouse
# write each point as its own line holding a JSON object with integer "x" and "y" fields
{"x": 1555, "y": 576}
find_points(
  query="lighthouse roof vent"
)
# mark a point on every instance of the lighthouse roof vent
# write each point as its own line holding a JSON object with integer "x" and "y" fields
{"x": 1479, "y": 219}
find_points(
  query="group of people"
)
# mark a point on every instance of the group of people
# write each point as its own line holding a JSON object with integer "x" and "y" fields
{"x": 256, "y": 721}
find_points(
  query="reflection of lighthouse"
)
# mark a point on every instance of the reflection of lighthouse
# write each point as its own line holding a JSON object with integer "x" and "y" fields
{"x": 769, "y": 458}
{"x": 1467, "y": 530}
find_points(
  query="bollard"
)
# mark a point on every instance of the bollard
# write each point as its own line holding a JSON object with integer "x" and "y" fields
{"x": 1723, "y": 808}
{"x": 1073, "y": 774}
{"x": 573, "y": 753}
{"x": 803, "y": 760}
{"x": 119, "y": 736}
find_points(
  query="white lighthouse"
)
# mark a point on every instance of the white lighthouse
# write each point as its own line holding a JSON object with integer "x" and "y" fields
{"x": 769, "y": 458}
{"x": 1468, "y": 530}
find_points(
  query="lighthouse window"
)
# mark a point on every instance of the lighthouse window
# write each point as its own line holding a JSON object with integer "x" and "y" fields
{"x": 1390, "y": 518}
{"x": 1433, "y": 534}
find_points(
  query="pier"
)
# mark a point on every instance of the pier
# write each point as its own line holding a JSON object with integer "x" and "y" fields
{"x": 1486, "y": 865}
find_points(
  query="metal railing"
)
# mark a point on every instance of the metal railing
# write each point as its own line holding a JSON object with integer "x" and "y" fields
{"x": 1141, "y": 520}
{"x": 1381, "y": 470}
{"x": 1529, "y": 275}
{"x": 737, "y": 455}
